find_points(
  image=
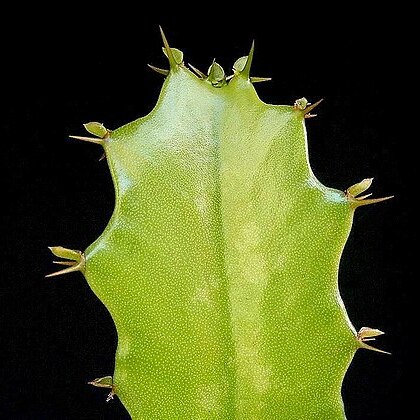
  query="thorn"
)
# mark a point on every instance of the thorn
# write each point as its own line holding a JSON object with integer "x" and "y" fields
{"x": 89, "y": 139}
{"x": 103, "y": 156}
{"x": 358, "y": 202}
{"x": 363, "y": 345}
{"x": 77, "y": 262}
{"x": 310, "y": 107}
{"x": 216, "y": 75}
{"x": 70, "y": 263}
{"x": 172, "y": 62}
{"x": 259, "y": 79}
{"x": 198, "y": 72}
{"x": 353, "y": 192}
{"x": 305, "y": 107}
{"x": 159, "y": 70}
{"x": 368, "y": 334}
{"x": 247, "y": 68}
{"x": 74, "y": 267}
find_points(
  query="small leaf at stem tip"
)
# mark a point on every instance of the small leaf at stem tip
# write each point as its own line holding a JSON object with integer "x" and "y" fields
{"x": 97, "y": 129}
{"x": 301, "y": 104}
{"x": 159, "y": 70}
{"x": 359, "y": 188}
{"x": 239, "y": 64}
{"x": 178, "y": 55}
{"x": 69, "y": 254}
{"x": 105, "y": 382}
{"x": 198, "y": 72}
{"x": 243, "y": 64}
{"x": 216, "y": 75}
{"x": 367, "y": 332}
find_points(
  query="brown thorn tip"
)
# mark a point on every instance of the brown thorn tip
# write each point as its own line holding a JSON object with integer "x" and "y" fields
{"x": 309, "y": 108}
{"x": 164, "y": 72}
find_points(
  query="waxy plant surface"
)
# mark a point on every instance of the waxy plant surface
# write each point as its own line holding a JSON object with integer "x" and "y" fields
{"x": 219, "y": 265}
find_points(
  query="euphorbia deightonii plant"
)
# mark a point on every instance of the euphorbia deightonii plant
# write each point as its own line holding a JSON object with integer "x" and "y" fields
{"x": 219, "y": 264}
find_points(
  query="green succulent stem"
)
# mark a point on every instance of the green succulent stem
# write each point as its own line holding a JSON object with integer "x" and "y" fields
{"x": 219, "y": 265}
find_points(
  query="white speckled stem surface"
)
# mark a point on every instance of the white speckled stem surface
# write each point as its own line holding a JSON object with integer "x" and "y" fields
{"x": 219, "y": 265}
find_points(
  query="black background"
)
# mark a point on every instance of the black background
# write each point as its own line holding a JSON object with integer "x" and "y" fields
{"x": 59, "y": 73}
